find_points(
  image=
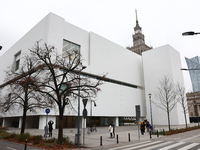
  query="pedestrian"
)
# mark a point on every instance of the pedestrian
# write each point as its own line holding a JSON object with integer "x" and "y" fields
{"x": 50, "y": 123}
{"x": 46, "y": 129}
{"x": 110, "y": 129}
{"x": 147, "y": 126}
{"x": 141, "y": 127}
{"x": 113, "y": 125}
{"x": 144, "y": 125}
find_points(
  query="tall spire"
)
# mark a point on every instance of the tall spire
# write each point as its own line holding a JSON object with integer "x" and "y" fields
{"x": 136, "y": 16}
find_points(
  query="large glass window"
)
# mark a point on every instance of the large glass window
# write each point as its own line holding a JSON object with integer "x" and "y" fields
{"x": 70, "y": 50}
{"x": 17, "y": 61}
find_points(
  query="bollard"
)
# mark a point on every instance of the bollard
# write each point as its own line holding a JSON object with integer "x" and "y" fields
{"x": 101, "y": 140}
{"x": 117, "y": 139}
{"x": 164, "y": 132}
{"x": 129, "y": 139}
{"x": 150, "y": 134}
{"x": 25, "y": 144}
{"x": 157, "y": 134}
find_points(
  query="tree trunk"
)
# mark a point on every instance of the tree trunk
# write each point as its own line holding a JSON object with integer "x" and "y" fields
{"x": 60, "y": 129}
{"x": 185, "y": 117}
{"x": 23, "y": 121}
{"x": 168, "y": 120}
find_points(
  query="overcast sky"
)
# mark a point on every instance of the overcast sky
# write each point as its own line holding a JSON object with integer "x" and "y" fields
{"x": 162, "y": 21}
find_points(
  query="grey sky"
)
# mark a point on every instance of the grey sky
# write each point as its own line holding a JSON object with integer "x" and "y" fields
{"x": 162, "y": 21}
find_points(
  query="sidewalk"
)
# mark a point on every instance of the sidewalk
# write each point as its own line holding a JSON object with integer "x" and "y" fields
{"x": 93, "y": 139}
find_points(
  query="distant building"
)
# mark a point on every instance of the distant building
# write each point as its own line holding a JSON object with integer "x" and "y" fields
{"x": 193, "y": 101}
{"x": 194, "y": 63}
{"x": 139, "y": 45}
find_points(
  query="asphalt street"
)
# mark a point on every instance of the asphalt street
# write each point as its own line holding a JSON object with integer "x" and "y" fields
{"x": 6, "y": 145}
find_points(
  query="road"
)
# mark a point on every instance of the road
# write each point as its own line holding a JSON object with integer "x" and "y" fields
{"x": 6, "y": 145}
{"x": 183, "y": 141}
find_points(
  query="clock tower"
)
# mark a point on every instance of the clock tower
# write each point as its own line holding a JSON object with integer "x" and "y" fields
{"x": 139, "y": 45}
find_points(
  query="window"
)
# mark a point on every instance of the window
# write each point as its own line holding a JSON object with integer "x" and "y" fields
{"x": 70, "y": 50}
{"x": 17, "y": 61}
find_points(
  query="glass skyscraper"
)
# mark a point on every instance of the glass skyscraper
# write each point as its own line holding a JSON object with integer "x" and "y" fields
{"x": 194, "y": 63}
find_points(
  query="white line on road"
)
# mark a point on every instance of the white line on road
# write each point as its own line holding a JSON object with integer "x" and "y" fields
{"x": 157, "y": 145}
{"x": 184, "y": 140}
{"x": 143, "y": 145}
{"x": 171, "y": 146}
{"x": 11, "y": 148}
{"x": 189, "y": 146}
{"x": 120, "y": 147}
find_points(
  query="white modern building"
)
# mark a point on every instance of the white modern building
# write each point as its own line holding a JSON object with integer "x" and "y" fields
{"x": 132, "y": 77}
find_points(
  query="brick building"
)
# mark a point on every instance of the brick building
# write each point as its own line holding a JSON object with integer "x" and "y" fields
{"x": 193, "y": 100}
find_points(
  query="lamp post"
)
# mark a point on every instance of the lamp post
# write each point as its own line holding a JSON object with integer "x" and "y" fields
{"x": 190, "y": 33}
{"x": 91, "y": 114}
{"x": 151, "y": 110}
{"x": 78, "y": 130}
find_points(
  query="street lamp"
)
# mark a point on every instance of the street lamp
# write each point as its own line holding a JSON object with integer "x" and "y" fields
{"x": 190, "y": 69}
{"x": 190, "y": 33}
{"x": 78, "y": 130}
{"x": 151, "y": 110}
{"x": 91, "y": 113}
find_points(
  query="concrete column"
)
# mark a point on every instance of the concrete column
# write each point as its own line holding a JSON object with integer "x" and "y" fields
{"x": 3, "y": 124}
{"x": 20, "y": 122}
{"x": 42, "y": 122}
{"x": 83, "y": 123}
{"x": 117, "y": 121}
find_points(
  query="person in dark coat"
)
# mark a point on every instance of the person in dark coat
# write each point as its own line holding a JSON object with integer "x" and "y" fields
{"x": 50, "y": 123}
{"x": 147, "y": 126}
{"x": 113, "y": 125}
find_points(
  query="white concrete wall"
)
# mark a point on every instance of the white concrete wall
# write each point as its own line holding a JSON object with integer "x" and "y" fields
{"x": 164, "y": 60}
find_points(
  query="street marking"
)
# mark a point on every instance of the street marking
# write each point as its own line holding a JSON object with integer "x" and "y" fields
{"x": 189, "y": 146}
{"x": 11, "y": 148}
{"x": 157, "y": 145}
{"x": 142, "y": 145}
{"x": 171, "y": 146}
{"x": 189, "y": 138}
{"x": 128, "y": 145}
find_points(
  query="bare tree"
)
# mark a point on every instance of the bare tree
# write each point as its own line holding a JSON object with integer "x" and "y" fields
{"x": 166, "y": 96}
{"x": 22, "y": 93}
{"x": 61, "y": 80}
{"x": 181, "y": 97}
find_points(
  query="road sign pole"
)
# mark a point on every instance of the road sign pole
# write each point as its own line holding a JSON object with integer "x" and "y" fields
{"x": 45, "y": 128}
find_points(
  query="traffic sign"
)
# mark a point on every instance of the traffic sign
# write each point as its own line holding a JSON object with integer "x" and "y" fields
{"x": 84, "y": 113}
{"x": 85, "y": 102}
{"x": 47, "y": 110}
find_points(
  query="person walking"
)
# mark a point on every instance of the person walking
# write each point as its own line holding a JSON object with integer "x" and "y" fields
{"x": 113, "y": 125}
{"x": 141, "y": 127}
{"x": 50, "y": 123}
{"x": 147, "y": 126}
{"x": 110, "y": 129}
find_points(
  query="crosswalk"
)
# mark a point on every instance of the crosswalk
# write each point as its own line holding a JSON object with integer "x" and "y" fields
{"x": 159, "y": 145}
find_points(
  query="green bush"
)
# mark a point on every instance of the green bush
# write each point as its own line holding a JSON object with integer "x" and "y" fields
{"x": 23, "y": 137}
{"x": 66, "y": 141}
{"x": 53, "y": 140}
{"x": 35, "y": 137}
{"x": 3, "y": 129}
{"x": 6, "y": 136}
{"x": 13, "y": 135}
